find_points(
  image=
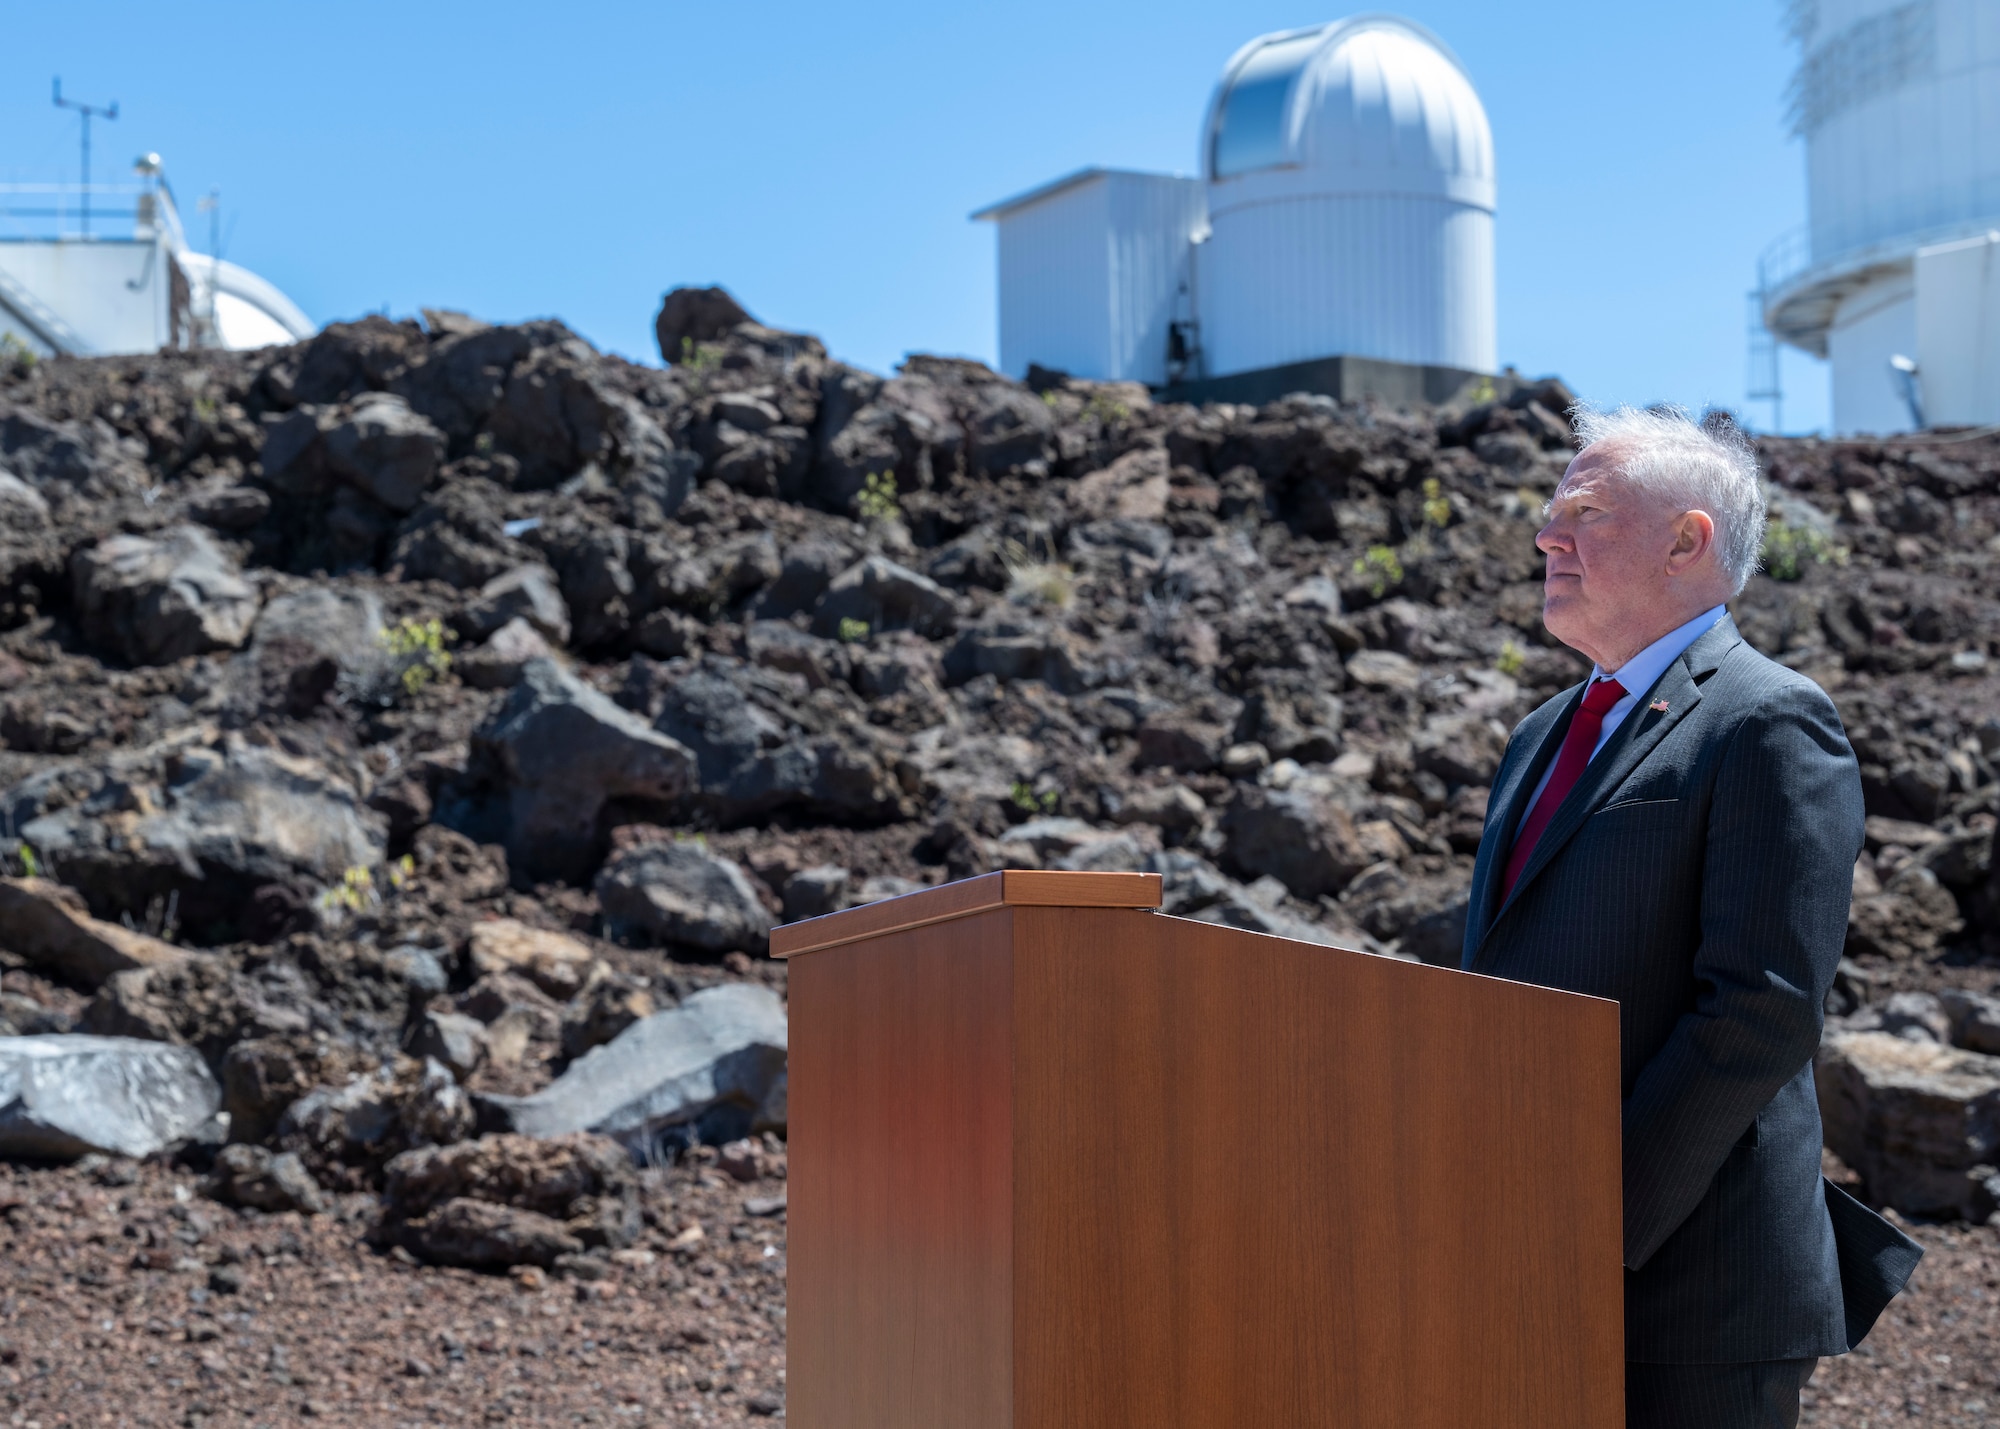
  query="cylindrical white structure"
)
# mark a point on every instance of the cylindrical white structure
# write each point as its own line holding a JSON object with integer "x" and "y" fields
{"x": 1350, "y": 182}
{"x": 1899, "y": 105}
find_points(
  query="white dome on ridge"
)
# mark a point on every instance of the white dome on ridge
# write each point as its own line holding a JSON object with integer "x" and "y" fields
{"x": 1371, "y": 104}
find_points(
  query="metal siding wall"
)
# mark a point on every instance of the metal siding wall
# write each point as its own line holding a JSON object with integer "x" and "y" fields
{"x": 1151, "y": 221}
{"x": 1958, "y": 332}
{"x": 87, "y": 286}
{"x": 1872, "y": 326}
{"x": 1918, "y": 157}
{"x": 1407, "y": 279}
{"x": 1055, "y": 299}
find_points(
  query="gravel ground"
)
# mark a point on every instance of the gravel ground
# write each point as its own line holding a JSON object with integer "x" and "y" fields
{"x": 138, "y": 1301}
{"x": 147, "y": 1304}
{"x": 1934, "y": 1358}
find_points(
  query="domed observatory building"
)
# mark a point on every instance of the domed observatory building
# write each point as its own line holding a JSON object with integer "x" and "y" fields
{"x": 1340, "y": 239}
{"x": 1896, "y": 277}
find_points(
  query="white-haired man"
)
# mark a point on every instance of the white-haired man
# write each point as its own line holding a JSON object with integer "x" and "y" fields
{"x": 1679, "y": 834}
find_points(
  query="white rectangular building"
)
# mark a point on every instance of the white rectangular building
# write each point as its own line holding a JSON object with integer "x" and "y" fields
{"x": 1093, "y": 269}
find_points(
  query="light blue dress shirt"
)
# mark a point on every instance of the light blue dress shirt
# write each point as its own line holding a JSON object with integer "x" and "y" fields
{"x": 1637, "y": 676}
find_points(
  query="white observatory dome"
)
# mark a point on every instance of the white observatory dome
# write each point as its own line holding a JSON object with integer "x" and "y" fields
{"x": 1350, "y": 189}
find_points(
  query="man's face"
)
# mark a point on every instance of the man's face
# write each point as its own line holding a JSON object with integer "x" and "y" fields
{"x": 1608, "y": 545}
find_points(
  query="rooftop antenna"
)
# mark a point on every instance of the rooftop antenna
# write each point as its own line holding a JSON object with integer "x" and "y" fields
{"x": 86, "y": 112}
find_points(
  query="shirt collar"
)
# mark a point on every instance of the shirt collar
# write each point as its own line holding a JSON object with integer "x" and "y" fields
{"x": 1638, "y": 673}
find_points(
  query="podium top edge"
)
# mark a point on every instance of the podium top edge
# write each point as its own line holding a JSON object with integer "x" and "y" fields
{"x": 1015, "y": 887}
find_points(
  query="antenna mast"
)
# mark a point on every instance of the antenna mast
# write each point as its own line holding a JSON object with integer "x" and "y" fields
{"x": 212, "y": 206}
{"x": 86, "y": 112}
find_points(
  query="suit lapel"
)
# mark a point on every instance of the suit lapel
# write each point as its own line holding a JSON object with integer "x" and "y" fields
{"x": 1508, "y": 802}
{"x": 1679, "y": 688}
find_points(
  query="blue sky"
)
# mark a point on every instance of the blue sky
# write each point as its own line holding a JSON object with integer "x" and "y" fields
{"x": 820, "y": 160}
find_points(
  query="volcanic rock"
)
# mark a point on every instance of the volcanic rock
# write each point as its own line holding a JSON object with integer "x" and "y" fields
{"x": 716, "y": 1061}
{"x": 679, "y": 894}
{"x": 46, "y": 924}
{"x": 561, "y": 750}
{"x": 1919, "y": 1121}
{"x": 64, "y": 1096}
{"x": 253, "y": 1176}
{"x": 153, "y": 600}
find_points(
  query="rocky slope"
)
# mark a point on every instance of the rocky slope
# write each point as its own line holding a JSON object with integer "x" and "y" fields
{"x": 398, "y": 718}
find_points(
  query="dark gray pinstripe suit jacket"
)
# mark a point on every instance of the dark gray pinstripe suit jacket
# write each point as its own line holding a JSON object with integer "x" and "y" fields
{"x": 1699, "y": 873}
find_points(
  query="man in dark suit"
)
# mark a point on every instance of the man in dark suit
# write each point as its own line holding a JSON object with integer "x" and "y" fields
{"x": 1679, "y": 834}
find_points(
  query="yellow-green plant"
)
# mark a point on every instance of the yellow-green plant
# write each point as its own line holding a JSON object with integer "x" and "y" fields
{"x": 206, "y": 410}
{"x": 1788, "y": 550}
{"x": 30, "y": 866}
{"x": 699, "y": 358}
{"x": 878, "y": 497}
{"x": 1106, "y": 408}
{"x": 418, "y": 647}
{"x": 15, "y": 353}
{"x": 851, "y": 631}
{"x": 1511, "y": 660}
{"x": 353, "y": 894}
{"x": 1029, "y": 802}
{"x": 1437, "y": 506}
{"x": 1382, "y": 568}
{"x": 1033, "y": 580}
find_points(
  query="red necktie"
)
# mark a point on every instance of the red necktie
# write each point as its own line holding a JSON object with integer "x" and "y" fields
{"x": 1570, "y": 761}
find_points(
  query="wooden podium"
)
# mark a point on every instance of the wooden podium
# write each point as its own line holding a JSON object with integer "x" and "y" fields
{"x": 1059, "y": 1161}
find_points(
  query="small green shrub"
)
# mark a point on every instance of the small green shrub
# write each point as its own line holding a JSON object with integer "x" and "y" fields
{"x": 851, "y": 631}
{"x": 1106, "y": 408}
{"x": 699, "y": 358}
{"x": 1029, "y": 802}
{"x": 31, "y": 866}
{"x": 355, "y": 893}
{"x": 1511, "y": 660}
{"x": 417, "y": 648}
{"x": 1789, "y": 550}
{"x": 16, "y": 353}
{"x": 1382, "y": 568}
{"x": 206, "y": 411}
{"x": 877, "y": 501}
{"x": 1437, "y": 506}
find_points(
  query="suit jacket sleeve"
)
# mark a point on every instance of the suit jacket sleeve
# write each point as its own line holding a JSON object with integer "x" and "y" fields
{"x": 1784, "y": 829}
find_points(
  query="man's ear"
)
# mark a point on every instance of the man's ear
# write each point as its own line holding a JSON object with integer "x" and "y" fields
{"x": 1694, "y": 536}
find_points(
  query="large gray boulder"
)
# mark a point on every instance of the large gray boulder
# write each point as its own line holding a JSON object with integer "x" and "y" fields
{"x": 207, "y": 826}
{"x": 885, "y": 596}
{"x": 65, "y": 1096}
{"x": 378, "y": 446}
{"x": 562, "y": 750}
{"x": 528, "y": 592}
{"x": 679, "y": 893}
{"x": 754, "y": 757}
{"x": 1919, "y": 1120}
{"x": 386, "y": 450}
{"x": 150, "y": 600}
{"x": 1303, "y": 839}
{"x": 717, "y": 1058}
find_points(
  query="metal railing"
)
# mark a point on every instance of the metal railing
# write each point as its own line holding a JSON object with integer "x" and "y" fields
{"x": 1784, "y": 258}
{"x": 56, "y": 211}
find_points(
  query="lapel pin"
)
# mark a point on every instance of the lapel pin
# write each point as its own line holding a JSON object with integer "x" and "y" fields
{"x": 1660, "y": 705}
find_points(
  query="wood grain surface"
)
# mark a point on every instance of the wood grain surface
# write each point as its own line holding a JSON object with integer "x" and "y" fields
{"x": 1262, "y": 1183}
{"x": 1063, "y": 1167}
{"x": 1007, "y": 887}
{"x": 899, "y": 1306}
